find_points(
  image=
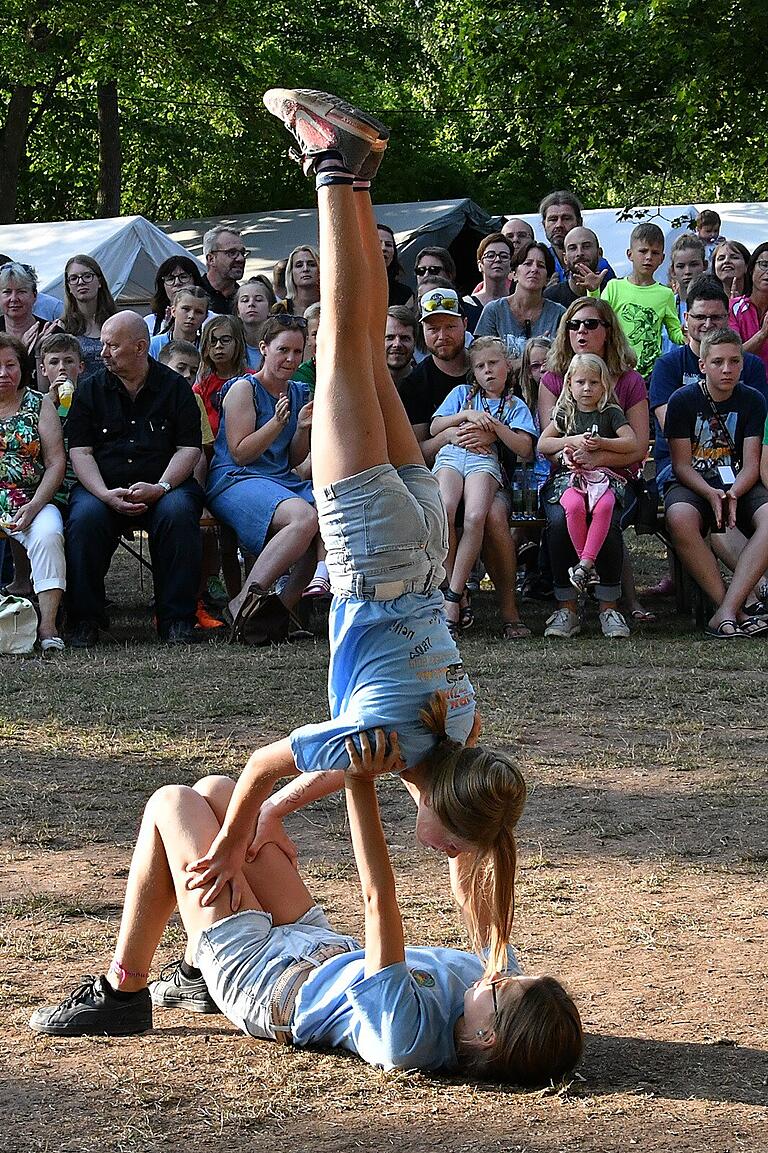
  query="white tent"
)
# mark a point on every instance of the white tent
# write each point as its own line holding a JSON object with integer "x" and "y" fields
{"x": 128, "y": 249}
{"x": 270, "y": 236}
{"x": 745, "y": 222}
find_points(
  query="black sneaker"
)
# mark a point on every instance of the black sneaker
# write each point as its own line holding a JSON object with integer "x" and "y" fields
{"x": 93, "y": 1010}
{"x": 324, "y": 123}
{"x": 180, "y": 633}
{"x": 175, "y": 991}
{"x": 84, "y": 635}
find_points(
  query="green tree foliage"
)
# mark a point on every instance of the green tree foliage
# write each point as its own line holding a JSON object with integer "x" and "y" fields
{"x": 496, "y": 99}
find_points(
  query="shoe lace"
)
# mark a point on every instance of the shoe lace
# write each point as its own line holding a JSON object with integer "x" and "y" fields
{"x": 81, "y": 992}
{"x": 168, "y": 972}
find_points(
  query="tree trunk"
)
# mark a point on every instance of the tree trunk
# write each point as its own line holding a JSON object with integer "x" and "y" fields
{"x": 110, "y": 159}
{"x": 13, "y": 142}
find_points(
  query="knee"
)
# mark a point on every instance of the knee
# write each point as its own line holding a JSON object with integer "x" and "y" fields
{"x": 165, "y": 802}
{"x": 305, "y": 523}
{"x": 216, "y": 788}
{"x": 475, "y": 520}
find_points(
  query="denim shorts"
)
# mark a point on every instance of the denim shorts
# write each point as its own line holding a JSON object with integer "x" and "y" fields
{"x": 464, "y": 462}
{"x": 242, "y": 956}
{"x": 385, "y": 532}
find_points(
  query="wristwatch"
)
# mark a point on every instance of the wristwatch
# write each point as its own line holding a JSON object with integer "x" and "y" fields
{"x": 165, "y": 486}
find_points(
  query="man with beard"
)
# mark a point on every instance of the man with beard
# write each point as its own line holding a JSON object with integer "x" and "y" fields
{"x": 225, "y": 264}
{"x": 582, "y": 255}
{"x": 399, "y": 342}
{"x": 560, "y": 212}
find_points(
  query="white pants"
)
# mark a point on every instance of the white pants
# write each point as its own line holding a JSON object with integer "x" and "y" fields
{"x": 43, "y": 543}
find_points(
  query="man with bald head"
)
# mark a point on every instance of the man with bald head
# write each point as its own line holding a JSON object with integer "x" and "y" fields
{"x": 134, "y": 439}
{"x": 581, "y": 257}
{"x": 517, "y": 232}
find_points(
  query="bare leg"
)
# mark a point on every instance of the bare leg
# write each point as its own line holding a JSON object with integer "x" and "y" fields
{"x": 293, "y": 528}
{"x": 178, "y": 826}
{"x": 480, "y": 489}
{"x": 500, "y": 560}
{"x": 749, "y": 568}
{"x": 49, "y": 601}
{"x": 686, "y": 528}
{"x": 348, "y": 433}
{"x": 451, "y": 484}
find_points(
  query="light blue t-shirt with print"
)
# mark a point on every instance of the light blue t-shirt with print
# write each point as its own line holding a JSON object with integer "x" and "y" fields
{"x": 387, "y": 660}
{"x": 400, "y": 1018}
{"x": 513, "y": 413}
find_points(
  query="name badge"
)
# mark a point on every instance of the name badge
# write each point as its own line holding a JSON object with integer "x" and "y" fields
{"x": 726, "y": 474}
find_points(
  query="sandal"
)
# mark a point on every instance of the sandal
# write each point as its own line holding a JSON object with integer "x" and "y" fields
{"x": 643, "y": 616}
{"x": 753, "y": 626}
{"x": 515, "y": 631}
{"x": 52, "y": 645}
{"x": 452, "y": 598}
{"x": 466, "y": 615}
{"x": 725, "y": 631}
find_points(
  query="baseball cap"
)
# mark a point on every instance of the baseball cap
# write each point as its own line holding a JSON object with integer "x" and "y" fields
{"x": 439, "y": 302}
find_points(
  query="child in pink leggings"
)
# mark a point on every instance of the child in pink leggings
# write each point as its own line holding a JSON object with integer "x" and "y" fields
{"x": 586, "y": 421}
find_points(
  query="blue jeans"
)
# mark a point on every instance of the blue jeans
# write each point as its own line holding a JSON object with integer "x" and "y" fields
{"x": 173, "y": 526}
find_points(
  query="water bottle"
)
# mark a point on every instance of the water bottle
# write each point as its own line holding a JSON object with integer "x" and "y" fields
{"x": 518, "y": 481}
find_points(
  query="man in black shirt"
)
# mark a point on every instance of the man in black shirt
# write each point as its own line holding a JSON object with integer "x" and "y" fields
{"x": 582, "y": 253}
{"x": 225, "y": 263}
{"x": 134, "y": 439}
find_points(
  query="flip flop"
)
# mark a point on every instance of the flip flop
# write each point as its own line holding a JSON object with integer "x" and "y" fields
{"x": 754, "y": 626}
{"x": 515, "y": 631}
{"x": 643, "y": 616}
{"x": 466, "y": 615}
{"x": 52, "y": 645}
{"x": 720, "y": 633}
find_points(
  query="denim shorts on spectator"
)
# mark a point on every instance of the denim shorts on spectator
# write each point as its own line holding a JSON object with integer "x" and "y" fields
{"x": 385, "y": 532}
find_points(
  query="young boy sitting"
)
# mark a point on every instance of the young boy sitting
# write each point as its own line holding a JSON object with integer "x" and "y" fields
{"x": 715, "y": 431}
{"x": 643, "y": 306}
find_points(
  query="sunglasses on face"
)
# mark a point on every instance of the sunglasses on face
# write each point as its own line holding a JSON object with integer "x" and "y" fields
{"x": 430, "y": 270}
{"x": 590, "y": 323}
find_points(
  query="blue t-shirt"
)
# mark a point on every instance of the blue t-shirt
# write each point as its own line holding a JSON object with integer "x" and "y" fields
{"x": 515, "y": 414}
{"x": 677, "y": 369}
{"x": 158, "y": 342}
{"x": 400, "y": 1018}
{"x": 387, "y": 660}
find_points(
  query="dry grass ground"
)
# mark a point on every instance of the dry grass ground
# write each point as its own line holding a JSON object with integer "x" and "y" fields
{"x": 642, "y": 883}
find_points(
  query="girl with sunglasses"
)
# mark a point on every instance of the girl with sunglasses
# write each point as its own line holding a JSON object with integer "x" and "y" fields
{"x": 591, "y": 326}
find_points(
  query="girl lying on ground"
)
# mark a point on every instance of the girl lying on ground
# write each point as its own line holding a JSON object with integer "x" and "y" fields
{"x": 393, "y": 662}
{"x": 279, "y": 972}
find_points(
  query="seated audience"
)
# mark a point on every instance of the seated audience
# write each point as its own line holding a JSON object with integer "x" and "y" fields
{"x": 87, "y": 304}
{"x": 581, "y": 256}
{"x": 224, "y": 254}
{"x": 253, "y": 301}
{"x": 644, "y": 307}
{"x": 222, "y": 357}
{"x": 715, "y": 433}
{"x": 707, "y": 227}
{"x": 473, "y": 478}
{"x": 494, "y": 258}
{"x": 729, "y": 263}
{"x": 560, "y": 212}
{"x": 586, "y": 419}
{"x": 302, "y": 280}
{"x": 517, "y": 232}
{"x": 400, "y": 341}
{"x": 749, "y": 313}
{"x": 253, "y": 485}
{"x": 188, "y": 312}
{"x": 134, "y": 440}
{"x": 47, "y": 307}
{"x": 18, "y": 294}
{"x": 516, "y": 318}
{"x": 306, "y": 373}
{"x": 591, "y": 326}
{"x": 32, "y": 465}
{"x": 174, "y": 273}
{"x": 399, "y": 292}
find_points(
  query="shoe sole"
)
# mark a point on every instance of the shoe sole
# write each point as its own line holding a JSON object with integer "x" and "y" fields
{"x": 285, "y": 102}
{"x": 563, "y": 636}
{"x": 190, "y": 1006}
{"x": 52, "y": 1031}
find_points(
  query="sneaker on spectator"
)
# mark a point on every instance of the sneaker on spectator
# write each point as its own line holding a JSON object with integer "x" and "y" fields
{"x": 204, "y": 618}
{"x": 173, "y": 990}
{"x": 180, "y": 633}
{"x": 563, "y": 623}
{"x": 324, "y": 123}
{"x": 613, "y": 624}
{"x": 215, "y": 595}
{"x": 94, "y": 1010}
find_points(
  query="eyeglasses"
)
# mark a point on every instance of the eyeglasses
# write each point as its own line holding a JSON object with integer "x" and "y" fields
{"x": 178, "y": 278}
{"x": 762, "y": 265}
{"x": 80, "y": 277}
{"x": 232, "y": 252}
{"x": 703, "y": 317}
{"x": 588, "y": 322}
{"x": 436, "y": 300}
{"x": 223, "y": 340}
{"x": 429, "y": 270}
{"x": 493, "y": 257}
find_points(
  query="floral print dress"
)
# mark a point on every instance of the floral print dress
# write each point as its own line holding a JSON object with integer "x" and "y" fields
{"x": 21, "y": 456}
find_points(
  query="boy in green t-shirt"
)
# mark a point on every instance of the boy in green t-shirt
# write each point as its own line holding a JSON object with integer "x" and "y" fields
{"x": 643, "y": 306}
